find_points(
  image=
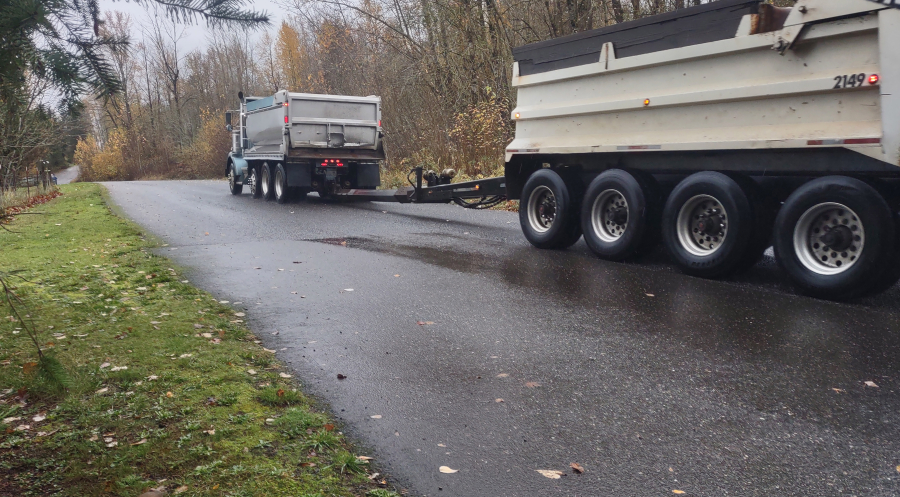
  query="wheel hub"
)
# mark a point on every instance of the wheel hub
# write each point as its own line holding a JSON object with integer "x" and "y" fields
{"x": 542, "y": 209}
{"x": 710, "y": 224}
{"x": 837, "y": 238}
{"x": 702, "y": 225}
{"x": 609, "y": 215}
{"x": 619, "y": 216}
{"x": 829, "y": 238}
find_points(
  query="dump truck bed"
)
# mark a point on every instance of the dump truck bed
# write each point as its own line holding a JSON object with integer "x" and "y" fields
{"x": 836, "y": 87}
{"x": 296, "y": 123}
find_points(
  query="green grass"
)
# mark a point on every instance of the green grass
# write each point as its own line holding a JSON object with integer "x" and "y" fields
{"x": 185, "y": 414}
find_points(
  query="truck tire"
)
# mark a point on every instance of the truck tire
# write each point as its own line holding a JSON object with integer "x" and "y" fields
{"x": 280, "y": 188}
{"x": 253, "y": 179}
{"x": 619, "y": 215}
{"x": 548, "y": 213}
{"x": 235, "y": 187}
{"x": 266, "y": 185}
{"x": 707, "y": 224}
{"x": 835, "y": 237}
{"x": 764, "y": 207}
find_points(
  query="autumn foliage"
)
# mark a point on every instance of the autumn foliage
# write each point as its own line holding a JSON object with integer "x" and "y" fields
{"x": 443, "y": 69}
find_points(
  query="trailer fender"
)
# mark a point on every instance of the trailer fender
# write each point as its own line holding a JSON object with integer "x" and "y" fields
{"x": 240, "y": 167}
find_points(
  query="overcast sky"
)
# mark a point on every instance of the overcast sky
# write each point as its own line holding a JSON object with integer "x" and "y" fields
{"x": 196, "y": 34}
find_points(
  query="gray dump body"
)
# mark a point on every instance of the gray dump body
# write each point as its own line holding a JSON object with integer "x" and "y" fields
{"x": 298, "y": 124}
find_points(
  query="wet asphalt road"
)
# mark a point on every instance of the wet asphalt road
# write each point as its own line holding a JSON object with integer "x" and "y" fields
{"x": 712, "y": 388}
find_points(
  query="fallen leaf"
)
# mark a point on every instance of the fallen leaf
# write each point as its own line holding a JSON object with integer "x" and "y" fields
{"x": 102, "y": 390}
{"x": 447, "y": 469}
{"x": 180, "y": 490}
{"x": 677, "y": 491}
{"x": 210, "y": 432}
{"x": 206, "y": 335}
{"x": 502, "y": 375}
{"x": 293, "y": 293}
{"x": 152, "y": 377}
{"x": 375, "y": 416}
{"x": 532, "y": 384}
{"x": 498, "y": 400}
{"x": 348, "y": 289}
{"x": 550, "y": 473}
{"x": 650, "y": 295}
{"x": 104, "y": 365}
{"x": 112, "y": 444}
{"x": 38, "y": 418}
{"x": 420, "y": 323}
{"x": 239, "y": 314}
{"x": 170, "y": 394}
{"x": 396, "y": 276}
{"x": 341, "y": 377}
{"x": 364, "y": 458}
{"x": 284, "y": 375}
{"x": 251, "y": 371}
{"x": 141, "y": 442}
{"x": 837, "y": 390}
{"x": 9, "y": 421}
{"x": 871, "y": 384}
{"x": 328, "y": 427}
{"x": 119, "y": 368}
{"x": 576, "y": 467}
{"x": 29, "y": 367}
{"x": 898, "y": 469}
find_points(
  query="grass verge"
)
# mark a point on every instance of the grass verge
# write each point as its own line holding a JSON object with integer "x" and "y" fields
{"x": 164, "y": 386}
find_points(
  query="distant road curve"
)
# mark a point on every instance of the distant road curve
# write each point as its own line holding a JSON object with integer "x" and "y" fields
{"x": 67, "y": 176}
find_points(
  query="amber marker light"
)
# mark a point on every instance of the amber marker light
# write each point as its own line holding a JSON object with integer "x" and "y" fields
{"x": 646, "y": 102}
{"x": 517, "y": 115}
{"x": 873, "y": 79}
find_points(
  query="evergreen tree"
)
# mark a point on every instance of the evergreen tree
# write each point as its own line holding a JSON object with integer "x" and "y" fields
{"x": 60, "y": 41}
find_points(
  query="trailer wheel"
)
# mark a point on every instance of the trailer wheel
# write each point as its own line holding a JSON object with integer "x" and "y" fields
{"x": 282, "y": 192}
{"x": 707, "y": 224}
{"x": 764, "y": 207}
{"x": 618, "y": 215}
{"x": 835, "y": 237}
{"x": 548, "y": 213}
{"x": 235, "y": 187}
{"x": 253, "y": 179}
{"x": 265, "y": 182}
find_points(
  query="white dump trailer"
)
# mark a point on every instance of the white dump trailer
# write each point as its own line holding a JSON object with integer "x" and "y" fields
{"x": 288, "y": 144}
{"x": 722, "y": 129}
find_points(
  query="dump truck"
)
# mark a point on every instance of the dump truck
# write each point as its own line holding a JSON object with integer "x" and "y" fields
{"x": 289, "y": 144}
{"x": 718, "y": 130}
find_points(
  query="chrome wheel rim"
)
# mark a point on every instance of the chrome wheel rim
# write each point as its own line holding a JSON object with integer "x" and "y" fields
{"x": 542, "y": 209}
{"x": 264, "y": 180}
{"x": 702, "y": 225}
{"x": 829, "y": 238}
{"x": 279, "y": 188}
{"x": 609, "y": 215}
{"x": 253, "y": 183}
{"x": 231, "y": 179}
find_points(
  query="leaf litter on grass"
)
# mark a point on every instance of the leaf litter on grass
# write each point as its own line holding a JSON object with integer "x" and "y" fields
{"x": 124, "y": 423}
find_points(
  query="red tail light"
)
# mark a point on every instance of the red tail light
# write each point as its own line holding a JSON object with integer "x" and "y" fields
{"x": 332, "y": 163}
{"x": 285, "y": 119}
{"x": 873, "y": 79}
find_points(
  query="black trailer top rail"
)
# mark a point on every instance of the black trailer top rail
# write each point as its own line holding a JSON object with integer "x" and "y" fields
{"x": 704, "y": 23}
